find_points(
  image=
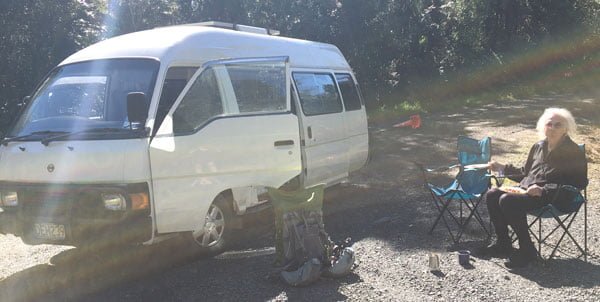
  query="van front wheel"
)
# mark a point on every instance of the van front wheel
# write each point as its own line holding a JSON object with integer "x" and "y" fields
{"x": 217, "y": 234}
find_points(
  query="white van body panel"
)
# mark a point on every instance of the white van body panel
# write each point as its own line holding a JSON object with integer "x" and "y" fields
{"x": 335, "y": 143}
{"x": 76, "y": 162}
{"x": 189, "y": 171}
{"x": 357, "y": 141}
{"x": 326, "y": 149}
{"x": 192, "y": 45}
{"x": 186, "y": 173}
{"x": 197, "y": 44}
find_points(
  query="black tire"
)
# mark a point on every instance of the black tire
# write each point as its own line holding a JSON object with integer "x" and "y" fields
{"x": 219, "y": 228}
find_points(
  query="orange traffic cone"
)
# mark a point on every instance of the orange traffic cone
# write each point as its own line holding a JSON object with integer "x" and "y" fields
{"x": 414, "y": 122}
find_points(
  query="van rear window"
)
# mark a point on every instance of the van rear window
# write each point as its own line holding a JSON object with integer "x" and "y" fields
{"x": 349, "y": 92}
{"x": 318, "y": 93}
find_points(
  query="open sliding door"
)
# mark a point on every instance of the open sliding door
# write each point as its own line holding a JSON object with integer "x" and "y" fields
{"x": 232, "y": 126}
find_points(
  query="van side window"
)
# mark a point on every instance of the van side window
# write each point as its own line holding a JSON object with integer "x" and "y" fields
{"x": 175, "y": 81}
{"x": 349, "y": 92}
{"x": 202, "y": 102}
{"x": 318, "y": 93}
{"x": 259, "y": 87}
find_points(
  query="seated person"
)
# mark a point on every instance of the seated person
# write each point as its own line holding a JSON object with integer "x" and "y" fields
{"x": 554, "y": 160}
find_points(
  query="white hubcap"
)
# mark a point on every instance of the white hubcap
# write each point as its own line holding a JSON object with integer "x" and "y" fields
{"x": 213, "y": 228}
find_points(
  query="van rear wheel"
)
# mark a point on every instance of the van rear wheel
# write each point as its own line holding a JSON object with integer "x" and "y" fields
{"x": 218, "y": 229}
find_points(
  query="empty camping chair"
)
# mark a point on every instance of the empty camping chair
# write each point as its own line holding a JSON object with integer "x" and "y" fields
{"x": 562, "y": 211}
{"x": 460, "y": 199}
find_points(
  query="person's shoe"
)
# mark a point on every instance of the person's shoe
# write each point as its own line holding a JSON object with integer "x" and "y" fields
{"x": 496, "y": 250}
{"x": 521, "y": 258}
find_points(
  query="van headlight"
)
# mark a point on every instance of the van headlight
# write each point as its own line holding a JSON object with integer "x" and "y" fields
{"x": 10, "y": 199}
{"x": 114, "y": 202}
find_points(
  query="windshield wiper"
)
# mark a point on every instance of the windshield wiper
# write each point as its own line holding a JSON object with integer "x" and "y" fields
{"x": 22, "y": 137}
{"x": 46, "y": 141}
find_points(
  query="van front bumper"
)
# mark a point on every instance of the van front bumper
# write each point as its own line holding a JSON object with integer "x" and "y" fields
{"x": 73, "y": 215}
{"x": 8, "y": 222}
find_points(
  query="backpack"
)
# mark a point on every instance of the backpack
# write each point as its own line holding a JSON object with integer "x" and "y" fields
{"x": 303, "y": 248}
{"x": 303, "y": 237}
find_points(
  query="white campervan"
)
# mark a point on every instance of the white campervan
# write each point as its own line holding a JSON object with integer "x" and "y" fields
{"x": 177, "y": 130}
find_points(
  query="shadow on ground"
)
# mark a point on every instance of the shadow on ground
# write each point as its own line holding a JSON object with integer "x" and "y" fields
{"x": 558, "y": 273}
{"x": 75, "y": 272}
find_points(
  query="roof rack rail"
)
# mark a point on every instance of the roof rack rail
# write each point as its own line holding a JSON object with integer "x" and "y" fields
{"x": 239, "y": 27}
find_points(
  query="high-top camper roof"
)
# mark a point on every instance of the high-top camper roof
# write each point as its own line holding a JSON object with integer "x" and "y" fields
{"x": 199, "y": 43}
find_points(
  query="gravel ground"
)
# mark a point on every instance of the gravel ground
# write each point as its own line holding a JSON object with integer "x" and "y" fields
{"x": 383, "y": 208}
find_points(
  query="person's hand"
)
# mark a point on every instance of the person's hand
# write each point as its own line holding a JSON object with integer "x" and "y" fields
{"x": 496, "y": 166}
{"x": 535, "y": 190}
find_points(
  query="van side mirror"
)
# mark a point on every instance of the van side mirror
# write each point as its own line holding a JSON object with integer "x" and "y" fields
{"x": 137, "y": 107}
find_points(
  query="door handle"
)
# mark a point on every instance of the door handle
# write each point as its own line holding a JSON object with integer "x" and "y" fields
{"x": 288, "y": 142}
{"x": 309, "y": 132}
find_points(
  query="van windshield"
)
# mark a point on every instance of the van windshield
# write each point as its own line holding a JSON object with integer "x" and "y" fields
{"x": 86, "y": 96}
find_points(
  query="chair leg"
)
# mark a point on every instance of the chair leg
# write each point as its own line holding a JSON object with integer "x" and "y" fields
{"x": 543, "y": 239}
{"x": 452, "y": 236}
{"x": 472, "y": 208}
{"x": 540, "y": 238}
{"x": 556, "y": 228}
{"x": 478, "y": 216}
{"x": 566, "y": 232}
{"x": 463, "y": 224}
{"x": 442, "y": 210}
{"x": 472, "y": 205}
{"x": 529, "y": 227}
{"x": 460, "y": 213}
{"x": 461, "y": 221}
{"x": 436, "y": 202}
{"x": 537, "y": 237}
{"x": 585, "y": 226}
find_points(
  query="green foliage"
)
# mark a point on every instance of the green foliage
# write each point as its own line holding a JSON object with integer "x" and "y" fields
{"x": 438, "y": 52}
{"x": 400, "y": 110}
{"x": 125, "y": 16}
{"x": 34, "y": 36}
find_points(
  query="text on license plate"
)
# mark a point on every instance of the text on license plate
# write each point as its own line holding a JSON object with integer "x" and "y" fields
{"x": 49, "y": 231}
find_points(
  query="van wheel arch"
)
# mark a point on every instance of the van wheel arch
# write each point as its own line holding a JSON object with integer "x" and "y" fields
{"x": 220, "y": 227}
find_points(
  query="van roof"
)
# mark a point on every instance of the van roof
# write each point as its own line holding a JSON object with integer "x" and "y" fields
{"x": 196, "y": 44}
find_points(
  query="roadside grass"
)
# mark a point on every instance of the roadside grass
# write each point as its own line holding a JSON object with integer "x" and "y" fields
{"x": 393, "y": 107}
{"x": 399, "y": 107}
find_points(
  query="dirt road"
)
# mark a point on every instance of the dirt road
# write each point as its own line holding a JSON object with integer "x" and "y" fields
{"x": 383, "y": 208}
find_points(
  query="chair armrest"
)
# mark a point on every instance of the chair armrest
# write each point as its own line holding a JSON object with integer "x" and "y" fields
{"x": 425, "y": 171}
{"x": 434, "y": 170}
{"x": 498, "y": 179}
{"x": 570, "y": 188}
{"x": 558, "y": 188}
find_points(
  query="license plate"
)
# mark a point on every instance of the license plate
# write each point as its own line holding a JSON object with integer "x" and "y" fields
{"x": 49, "y": 231}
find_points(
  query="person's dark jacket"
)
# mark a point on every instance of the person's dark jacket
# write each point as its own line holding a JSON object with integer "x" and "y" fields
{"x": 564, "y": 165}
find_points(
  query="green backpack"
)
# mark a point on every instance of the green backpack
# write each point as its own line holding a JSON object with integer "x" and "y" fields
{"x": 299, "y": 230}
{"x": 303, "y": 248}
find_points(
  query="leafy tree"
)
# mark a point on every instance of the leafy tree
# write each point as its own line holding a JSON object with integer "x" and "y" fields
{"x": 428, "y": 50}
{"x": 34, "y": 36}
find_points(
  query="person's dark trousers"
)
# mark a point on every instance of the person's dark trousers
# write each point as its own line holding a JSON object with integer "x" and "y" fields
{"x": 511, "y": 209}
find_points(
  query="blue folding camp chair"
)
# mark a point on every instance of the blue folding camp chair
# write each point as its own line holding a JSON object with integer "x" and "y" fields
{"x": 465, "y": 193}
{"x": 562, "y": 211}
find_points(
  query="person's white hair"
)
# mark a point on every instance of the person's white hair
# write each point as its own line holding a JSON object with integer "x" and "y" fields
{"x": 570, "y": 125}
